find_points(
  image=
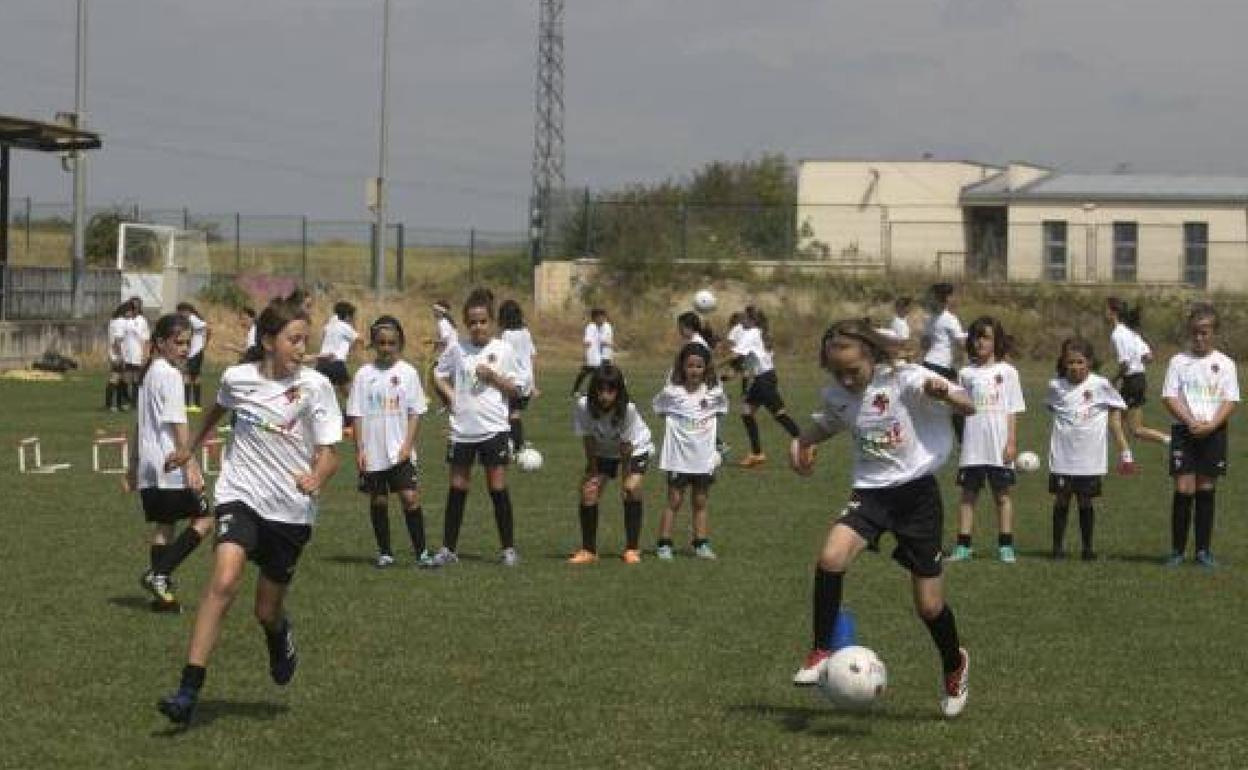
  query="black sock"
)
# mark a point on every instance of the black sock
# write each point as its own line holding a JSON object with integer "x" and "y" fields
{"x": 154, "y": 552}
{"x": 1061, "y": 511}
{"x": 751, "y": 430}
{"x": 110, "y": 391}
{"x": 379, "y": 514}
{"x": 944, "y": 631}
{"x": 632, "y": 524}
{"x": 1180, "y": 520}
{"x": 1087, "y": 524}
{"x": 787, "y": 423}
{"x": 517, "y": 433}
{"x": 503, "y": 517}
{"x": 964, "y": 540}
{"x": 698, "y": 542}
{"x": 134, "y": 393}
{"x": 197, "y": 394}
{"x": 415, "y": 519}
{"x": 826, "y": 606}
{"x": 192, "y": 677}
{"x": 187, "y": 392}
{"x": 1204, "y": 519}
{"x": 1005, "y": 540}
{"x": 664, "y": 541}
{"x": 455, "y": 500}
{"x": 177, "y": 551}
{"x": 589, "y": 527}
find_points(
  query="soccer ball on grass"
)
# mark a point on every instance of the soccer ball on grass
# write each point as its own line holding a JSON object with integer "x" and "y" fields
{"x": 853, "y": 678}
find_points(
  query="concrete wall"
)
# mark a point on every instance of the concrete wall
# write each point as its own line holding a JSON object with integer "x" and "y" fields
{"x": 21, "y": 342}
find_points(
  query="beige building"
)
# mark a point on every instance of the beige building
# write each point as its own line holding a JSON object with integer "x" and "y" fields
{"x": 1026, "y": 223}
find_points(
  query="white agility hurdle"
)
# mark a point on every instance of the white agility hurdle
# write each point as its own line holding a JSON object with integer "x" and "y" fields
{"x": 34, "y": 445}
{"x": 121, "y": 441}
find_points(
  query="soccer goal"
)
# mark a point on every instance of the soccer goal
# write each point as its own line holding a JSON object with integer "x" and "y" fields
{"x": 162, "y": 265}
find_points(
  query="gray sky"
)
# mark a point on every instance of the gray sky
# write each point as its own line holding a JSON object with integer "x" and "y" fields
{"x": 270, "y": 106}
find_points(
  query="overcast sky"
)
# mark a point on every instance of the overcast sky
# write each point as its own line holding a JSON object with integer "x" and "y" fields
{"x": 270, "y": 106}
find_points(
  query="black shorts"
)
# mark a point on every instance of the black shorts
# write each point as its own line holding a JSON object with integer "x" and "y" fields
{"x": 167, "y": 506}
{"x": 492, "y": 452}
{"x": 1082, "y": 486}
{"x": 396, "y": 478}
{"x": 116, "y": 367}
{"x": 274, "y": 546}
{"x": 1200, "y": 456}
{"x": 132, "y": 368}
{"x": 1134, "y": 389}
{"x": 696, "y": 480}
{"x": 334, "y": 370}
{"x": 195, "y": 364}
{"x": 972, "y": 477}
{"x": 913, "y": 512}
{"x": 765, "y": 391}
{"x": 610, "y": 466}
{"x": 518, "y": 403}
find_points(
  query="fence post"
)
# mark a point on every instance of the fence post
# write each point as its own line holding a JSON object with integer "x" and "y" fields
{"x": 303, "y": 251}
{"x": 238, "y": 243}
{"x": 472, "y": 255}
{"x": 684, "y": 231}
{"x": 398, "y": 253}
{"x": 186, "y": 218}
{"x": 372, "y": 249}
{"x": 134, "y": 210}
{"x": 29, "y": 206}
{"x": 587, "y": 222}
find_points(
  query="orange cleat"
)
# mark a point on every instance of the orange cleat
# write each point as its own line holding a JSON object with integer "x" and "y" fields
{"x": 752, "y": 461}
{"x": 631, "y": 556}
{"x": 583, "y": 556}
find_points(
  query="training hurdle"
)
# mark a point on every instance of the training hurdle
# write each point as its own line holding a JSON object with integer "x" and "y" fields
{"x": 33, "y": 444}
{"x": 102, "y": 441}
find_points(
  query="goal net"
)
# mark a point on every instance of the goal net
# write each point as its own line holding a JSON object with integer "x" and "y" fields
{"x": 162, "y": 265}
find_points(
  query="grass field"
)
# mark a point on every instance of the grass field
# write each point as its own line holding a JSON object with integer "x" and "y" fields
{"x": 1115, "y": 664}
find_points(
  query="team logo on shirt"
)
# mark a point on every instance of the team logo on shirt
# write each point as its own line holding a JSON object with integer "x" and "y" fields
{"x": 704, "y": 403}
{"x": 1214, "y": 368}
{"x": 1087, "y": 395}
{"x": 999, "y": 379}
{"x": 291, "y": 394}
{"x": 880, "y": 402}
{"x": 491, "y": 358}
{"x": 394, "y": 380}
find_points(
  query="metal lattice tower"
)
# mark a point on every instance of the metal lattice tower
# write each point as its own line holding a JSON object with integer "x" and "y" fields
{"x": 548, "y": 125}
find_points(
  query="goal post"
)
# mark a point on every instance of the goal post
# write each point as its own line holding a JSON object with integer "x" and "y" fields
{"x": 162, "y": 265}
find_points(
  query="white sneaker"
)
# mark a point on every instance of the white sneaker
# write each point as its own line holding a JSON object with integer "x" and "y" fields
{"x": 509, "y": 557}
{"x": 383, "y": 560}
{"x": 705, "y": 551}
{"x": 954, "y": 690}
{"x": 444, "y": 556}
{"x": 665, "y": 553}
{"x": 808, "y": 674}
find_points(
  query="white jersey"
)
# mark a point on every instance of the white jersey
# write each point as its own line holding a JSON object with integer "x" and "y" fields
{"x": 1202, "y": 384}
{"x": 117, "y": 339}
{"x": 521, "y": 343}
{"x": 734, "y": 334}
{"x": 1129, "y": 348}
{"x": 997, "y": 394}
{"x": 606, "y": 341}
{"x": 278, "y": 426}
{"x": 382, "y": 401}
{"x": 134, "y": 342}
{"x": 446, "y": 333}
{"x": 479, "y": 410}
{"x": 338, "y": 336}
{"x": 752, "y": 349}
{"x": 593, "y": 353}
{"x": 161, "y": 406}
{"x": 690, "y": 427}
{"x": 608, "y": 434}
{"x": 898, "y": 432}
{"x": 251, "y": 336}
{"x": 199, "y": 334}
{"x": 900, "y": 328}
{"x": 1078, "y": 444}
{"x": 944, "y": 333}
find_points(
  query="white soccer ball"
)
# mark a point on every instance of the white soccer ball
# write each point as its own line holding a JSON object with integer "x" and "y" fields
{"x": 853, "y": 677}
{"x": 704, "y": 301}
{"x": 1027, "y": 462}
{"x": 529, "y": 459}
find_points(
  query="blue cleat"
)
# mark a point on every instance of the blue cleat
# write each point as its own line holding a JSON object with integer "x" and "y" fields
{"x": 180, "y": 706}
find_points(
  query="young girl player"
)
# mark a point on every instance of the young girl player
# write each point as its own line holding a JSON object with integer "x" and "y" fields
{"x": 281, "y": 455}
{"x": 385, "y": 406}
{"x": 898, "y": 420}
{"x": 518, "y": 338}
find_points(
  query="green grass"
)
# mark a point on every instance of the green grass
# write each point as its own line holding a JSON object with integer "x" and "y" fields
{"x": 1115, "y": 664}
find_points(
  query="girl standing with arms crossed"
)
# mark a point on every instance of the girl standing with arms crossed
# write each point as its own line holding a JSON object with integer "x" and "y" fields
{"x": 898, "y": 418}
{"x": 691, "y": 404}
{"x": 990, "y": 436}
{"x": 385, "y": 406}
{"x": 1083, "y": 404}
{"x": 1200, "y": 392}
{"x": 617, "y": 444}
{"x": 281, "y": 455}
{"x": 476, "y": 377}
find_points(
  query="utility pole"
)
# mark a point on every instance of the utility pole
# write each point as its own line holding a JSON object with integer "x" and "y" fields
{"x": 548, "y": 129}
{"x": 379, "y": 241}
{"x": 78, "y": 267}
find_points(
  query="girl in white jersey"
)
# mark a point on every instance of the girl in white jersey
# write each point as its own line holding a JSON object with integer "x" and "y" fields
{"x": 691, "y": 405}
{"x": 281, "y": 455}
{"x": 691, "y": 328}
{"x": 753, "y": 351}
{"x": 897, "y": 416}
{"x": 1132, "y": 353}
{"x": 338, "y": 338}
{"x": 134, "y": 348}
{"x": 1083, "y": 405}
{"x": 444, "y": 335}
{"x": 517, "y": 336}
{"x": 116, "y": 392}
{"x": 591, "y": 340}
{"x": 1200, "y": 392}
{"x": 476, "y": 376}
{"x": 617, "y": 443}
{"x": 384, "y": 407}
{"x": 990, "y": 436}
{"x": 943, "y": 338}
{"x": 161, "y": 430}
{"x": 201, "y": 333}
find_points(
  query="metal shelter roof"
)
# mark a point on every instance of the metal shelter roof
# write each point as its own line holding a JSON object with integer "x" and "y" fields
{"x": 37, "y": 135}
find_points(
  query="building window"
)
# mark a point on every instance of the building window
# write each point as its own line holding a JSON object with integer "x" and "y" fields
{"x": 1055, "y": 251}
{"x": 1196, "y": 254}
{"x": 1126, "y": 251}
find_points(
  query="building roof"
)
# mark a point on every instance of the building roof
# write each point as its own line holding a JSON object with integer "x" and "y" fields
{"x": 1160, "y": 188}
{"x": 36, "y": 135}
